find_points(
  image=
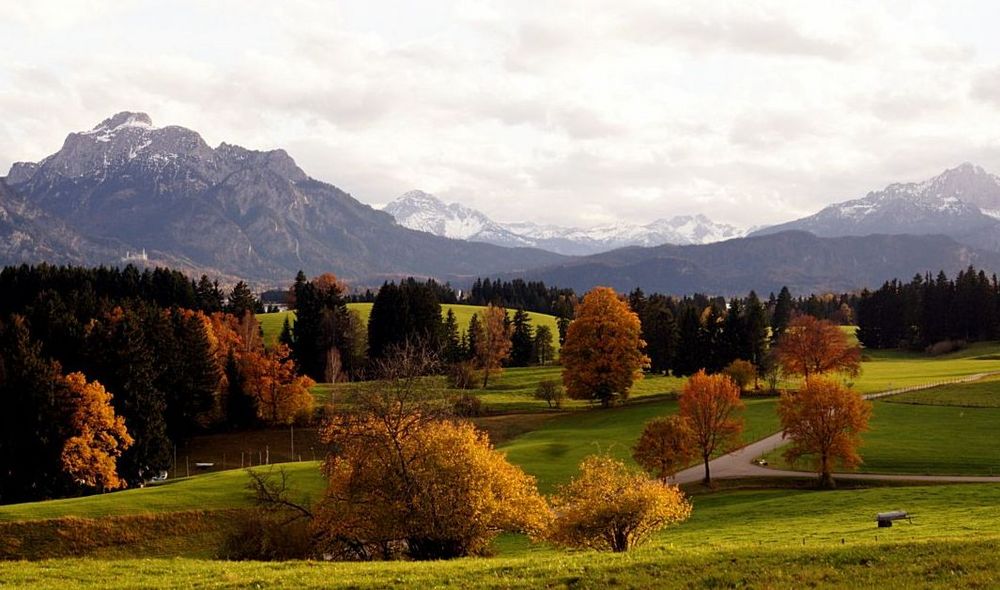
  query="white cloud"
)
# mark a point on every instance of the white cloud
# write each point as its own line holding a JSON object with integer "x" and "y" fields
{"x": 563, "y": 111}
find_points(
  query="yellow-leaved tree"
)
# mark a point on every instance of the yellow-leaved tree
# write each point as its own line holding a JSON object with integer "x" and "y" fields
{"x": 602, "y": 356}
{"x": 609, "y": 506}
{"x": 97, "y": 435}
{"x": 434, "y": 490}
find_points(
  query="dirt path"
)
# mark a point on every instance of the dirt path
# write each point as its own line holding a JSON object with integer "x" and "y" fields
{"x": 739, "y": 463}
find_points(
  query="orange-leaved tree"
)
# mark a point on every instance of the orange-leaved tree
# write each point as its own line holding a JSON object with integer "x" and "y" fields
{"x": 709, "y": 403}
{"x": 97, "y": 435}
{"x": 280, "y": 394}
{"x": 665, "y": 445}
{"x": 434, "y": 490}
{"x": 824, "y": 420}
{"x": 492, "y": 341}
{"x": 810, "y": 346}
{"x": 602, "y": 356}
{"x": 609, "y": 506}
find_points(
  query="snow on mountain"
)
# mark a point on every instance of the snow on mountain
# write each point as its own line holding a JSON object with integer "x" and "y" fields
{"x": 962, "y": 202}
{"x": 425, "y": 212}
{"x": 422, "y": 211}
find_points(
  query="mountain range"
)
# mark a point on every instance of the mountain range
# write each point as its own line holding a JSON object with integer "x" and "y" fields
{"x": 425, "y": 212}
{"x": 128, "y": 186}
{"x": 962, "y": 202}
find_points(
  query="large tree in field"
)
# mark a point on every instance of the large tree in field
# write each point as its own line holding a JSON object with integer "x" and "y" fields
{"x": 602, "y": 356}
{"x": 811, "y": 346}
{"x": 709, "y": 403}
{"x": 824, "y": 420}
{"x": 492, "y": 341}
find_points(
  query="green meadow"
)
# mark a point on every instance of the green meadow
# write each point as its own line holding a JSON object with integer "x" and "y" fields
{"x": 271, "y": 323}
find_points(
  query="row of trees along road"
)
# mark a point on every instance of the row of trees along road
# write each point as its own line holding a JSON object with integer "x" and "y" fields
{"x": 823, "y": 419}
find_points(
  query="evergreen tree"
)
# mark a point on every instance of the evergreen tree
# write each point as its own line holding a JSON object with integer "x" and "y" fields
{"x": 659, "y": 330}
{"x": 208, "y": 295}
{"x": 472, "y": 335}
{"x": 782, "y": 313}
{"x": 521, "y": 340}
{"x": 241, "y": 300}
{"x": 690, "y": 357}
{"x": 453, "y": 351}
{"x": 125, "y": 364}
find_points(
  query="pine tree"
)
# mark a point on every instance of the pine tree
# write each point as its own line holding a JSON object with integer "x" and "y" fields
{"x": 521, "y": 340}
{"x": 453, "y": 352}
{"x": 782, "y": 313}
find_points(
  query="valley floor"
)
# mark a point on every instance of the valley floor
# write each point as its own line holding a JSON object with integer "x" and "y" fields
{"x": 747, "y": 533}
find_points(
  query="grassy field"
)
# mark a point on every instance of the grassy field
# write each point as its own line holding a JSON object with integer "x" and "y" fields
{"x": 513, "y": 390}
{"x": 213, "y": 491}
{"x": 752, "y": 539}
{"x": 552, "y": 452}
{"x": 934, "y": 439}
{"x": 271, "y": 323}
{"x": 978, "y": 394}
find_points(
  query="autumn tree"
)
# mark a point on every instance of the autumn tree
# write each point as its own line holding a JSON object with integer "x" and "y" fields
{"x": 811, "y": 346}
{"x": 709, "y": 403}
{"x": 492, "y": 341}
{"x": 665, "y": 445}
{"x": 97, "y": 436}
{"x": 407, "y": 481}
{"x": 280, "y": 394}
{"x": 602, "y": 356}
{"x": 742, "y": 372}
{"x": 609, "y": 506}
{"x": 824, "y": 421}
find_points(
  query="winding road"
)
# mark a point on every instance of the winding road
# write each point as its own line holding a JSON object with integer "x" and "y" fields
{"x": 739, "y": 463}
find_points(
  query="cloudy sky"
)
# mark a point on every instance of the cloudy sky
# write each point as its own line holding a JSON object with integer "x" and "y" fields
{"x": 573, "y": 112}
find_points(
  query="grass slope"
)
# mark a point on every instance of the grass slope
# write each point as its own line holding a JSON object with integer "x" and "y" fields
{"x": 213, "y": 491}
{"x": 271, "y": 323}
{"x": 755, "y": 539}
{"x": 553, "y": 452}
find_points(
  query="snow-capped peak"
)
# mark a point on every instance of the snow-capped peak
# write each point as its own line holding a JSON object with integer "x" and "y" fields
{"x": 425, "y": 212}
{"x": 107, "y": 128}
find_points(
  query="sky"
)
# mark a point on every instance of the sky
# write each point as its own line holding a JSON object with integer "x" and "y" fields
{"x": 575, "y": 112}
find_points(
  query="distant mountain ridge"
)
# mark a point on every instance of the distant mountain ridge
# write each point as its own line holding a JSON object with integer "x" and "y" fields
{"x": 252, "y": 214}
{"x": 425, "y": 212}
{"x": 799, "y": 260}
{"x": 962, "y": 202}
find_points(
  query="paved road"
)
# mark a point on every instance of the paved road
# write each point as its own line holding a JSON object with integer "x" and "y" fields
{"x": 738, "y": 464}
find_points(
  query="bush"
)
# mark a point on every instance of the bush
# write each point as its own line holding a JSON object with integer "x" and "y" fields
{"x": 742, "y": 372}
{"x": 944, "y": 347}
{"x": 551, "y": 392}
{"x": 609, "y": 506}
{"x": 469, "y": 406}
{"x": 463, "y": 376}
{"x": 262, "y": 536}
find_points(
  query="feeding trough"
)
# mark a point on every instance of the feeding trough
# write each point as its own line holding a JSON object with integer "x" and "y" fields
{"x": 885, "y": 519}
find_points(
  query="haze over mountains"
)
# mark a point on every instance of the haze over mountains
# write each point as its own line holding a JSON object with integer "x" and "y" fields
{"x": 425, "y": 212}
{"x": 127, "y": 185}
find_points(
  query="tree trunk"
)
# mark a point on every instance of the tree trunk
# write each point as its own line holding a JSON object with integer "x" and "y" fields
{"x": 486, "y": 376}
{"x": 708, "y": 474}
{"x": 825, "y": 473}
